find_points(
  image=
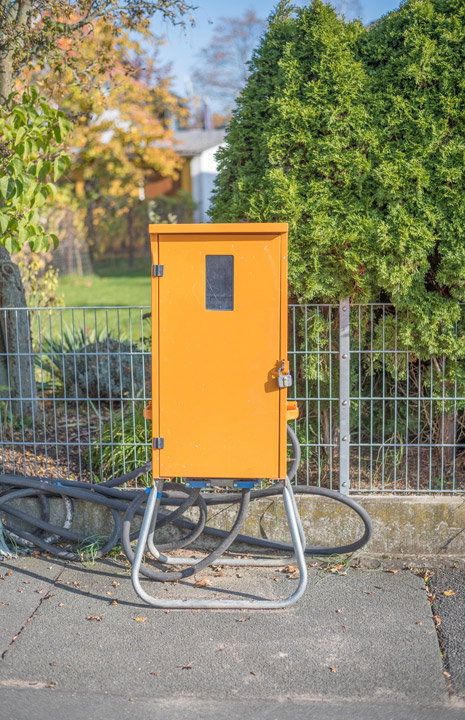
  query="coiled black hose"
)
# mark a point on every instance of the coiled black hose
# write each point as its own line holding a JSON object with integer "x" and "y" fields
{"x": 68, "y": 545}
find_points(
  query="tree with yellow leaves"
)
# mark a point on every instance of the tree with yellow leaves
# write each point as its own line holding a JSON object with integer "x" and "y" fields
{"x": 121, "y": 132}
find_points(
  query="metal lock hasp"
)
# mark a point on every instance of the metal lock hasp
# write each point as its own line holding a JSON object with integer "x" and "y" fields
{"x": 284, "y": 376}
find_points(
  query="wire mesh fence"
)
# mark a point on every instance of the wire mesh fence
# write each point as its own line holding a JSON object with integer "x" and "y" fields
{"x": 89, "y": 369}
{"x": 72, "y": 398}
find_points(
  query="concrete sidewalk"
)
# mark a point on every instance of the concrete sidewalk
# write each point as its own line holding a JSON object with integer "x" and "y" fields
{"x": 76, "y": 643}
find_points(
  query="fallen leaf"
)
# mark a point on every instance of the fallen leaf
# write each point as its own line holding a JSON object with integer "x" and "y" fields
{"x": 131, "y": 699}
{"x": 252, "y": 672}
{"x": 202, "y": 583}
{"x": 114, "y": 602}
{"x": 437, "y": 620}
{"x": 10, "y": 572}
{"x": 115, "y": 584}
{"x": 219, "y": 650}
{"x": 276, "y": 579}
{"x": 53, "y": 664}
{"x": 94, "y": 617}
{"x": 21, "y": 590}
{"x": 185, "y": 667}
{"x": 290, "y": 569}
{"x": 140, "y": 619}
{"x": 424, "y": 573}
{"x": 52, "y": 684}
{"x": 242, "y": 619}
{"x": 61, "y": 604}
{"x": 368, "y": 592}
{"x": 109, "y": 592}
{"x": 40, "y": 590}
{"x": 448, "y": 593}
{"x": 338, "y": 611}
{"x": 391, "y": 571}
{"x": 332, "y": 668}
{"x": 238, "y": 575}
{"x": 26, "y": 582}
{"x": 218, "y": 574}
{"x": 447, "y": 674}
{"x": 418, "y": 623}
{"x": 154, "y": 673}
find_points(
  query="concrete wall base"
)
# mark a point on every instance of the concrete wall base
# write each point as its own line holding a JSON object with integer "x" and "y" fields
{"x": 402, "y": 526}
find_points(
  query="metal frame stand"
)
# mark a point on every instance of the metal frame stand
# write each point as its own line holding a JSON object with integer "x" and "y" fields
{"x": 146, "y": 540}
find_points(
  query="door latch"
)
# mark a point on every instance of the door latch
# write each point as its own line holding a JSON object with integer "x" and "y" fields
{"x": 284, "y": 376}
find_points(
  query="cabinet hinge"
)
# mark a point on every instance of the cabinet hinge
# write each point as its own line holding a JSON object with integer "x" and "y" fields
{"x": 158, "y": 270}
{"x": 158, "y": 443}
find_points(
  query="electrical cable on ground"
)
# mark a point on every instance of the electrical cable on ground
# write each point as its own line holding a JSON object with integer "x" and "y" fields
{"x": 65, "y": 544}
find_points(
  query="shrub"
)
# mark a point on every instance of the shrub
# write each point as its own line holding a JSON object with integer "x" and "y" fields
{"x": 108, "y": 369}
{"x": 356, "y": 137}
{"x": 92, "y": 367}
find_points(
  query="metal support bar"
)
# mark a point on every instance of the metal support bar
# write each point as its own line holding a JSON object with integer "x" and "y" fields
{"x": 344, "y": 396}
{"x": 298, "y": 540}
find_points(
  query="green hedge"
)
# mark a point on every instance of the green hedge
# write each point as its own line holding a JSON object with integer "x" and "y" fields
{"x": 355, "y": 136}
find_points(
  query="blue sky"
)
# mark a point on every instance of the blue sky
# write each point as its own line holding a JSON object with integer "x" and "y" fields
{"x": 181, "y": 48}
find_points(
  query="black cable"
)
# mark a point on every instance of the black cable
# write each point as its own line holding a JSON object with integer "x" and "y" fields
{"x": 310, "y": 549}
{"x": 229, "y": 538}
{"x": 111, "y": 495}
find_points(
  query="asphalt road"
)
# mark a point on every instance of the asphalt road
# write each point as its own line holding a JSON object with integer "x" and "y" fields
{"x": 450, "y": 608}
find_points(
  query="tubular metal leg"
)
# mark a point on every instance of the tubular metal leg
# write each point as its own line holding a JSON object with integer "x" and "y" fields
{"x": 153, "y": 523}
{"x": 298, "y": 541}
{"x": 232, "y": 562}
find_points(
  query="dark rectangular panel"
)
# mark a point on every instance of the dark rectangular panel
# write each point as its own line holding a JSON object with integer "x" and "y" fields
{"x": 219, "y": 282}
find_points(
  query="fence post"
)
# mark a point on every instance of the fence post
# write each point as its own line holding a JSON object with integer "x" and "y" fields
{"x": 344, "y": 396}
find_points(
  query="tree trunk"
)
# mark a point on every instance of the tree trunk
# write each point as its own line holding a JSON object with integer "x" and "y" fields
{"x": 326, "y": 428}
{"x": 6, "y": 76}
{"x": 89, "y": 223}
{"x": 447, "y": 429}
{"x": 16, "y": 358}
{"x": 130, "y": 225}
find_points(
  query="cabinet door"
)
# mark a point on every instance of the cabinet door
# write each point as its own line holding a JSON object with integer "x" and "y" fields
{"x": 219, "y": 351}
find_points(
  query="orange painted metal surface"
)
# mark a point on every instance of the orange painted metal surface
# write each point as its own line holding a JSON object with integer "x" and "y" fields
{"x": 216, "y": 399}
{"x": 292, "y": 411}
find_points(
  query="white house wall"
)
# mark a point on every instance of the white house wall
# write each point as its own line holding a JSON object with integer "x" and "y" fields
{"x": 203, "y": 174}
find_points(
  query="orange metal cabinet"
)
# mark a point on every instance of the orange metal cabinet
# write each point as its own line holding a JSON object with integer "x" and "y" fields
{"x": 219, "y": 339}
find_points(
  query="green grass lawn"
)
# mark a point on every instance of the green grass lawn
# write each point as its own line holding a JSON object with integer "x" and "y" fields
{"x": 111, "y": 285}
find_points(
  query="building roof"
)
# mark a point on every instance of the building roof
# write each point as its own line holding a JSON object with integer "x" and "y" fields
{"x": 188, "y": 143}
